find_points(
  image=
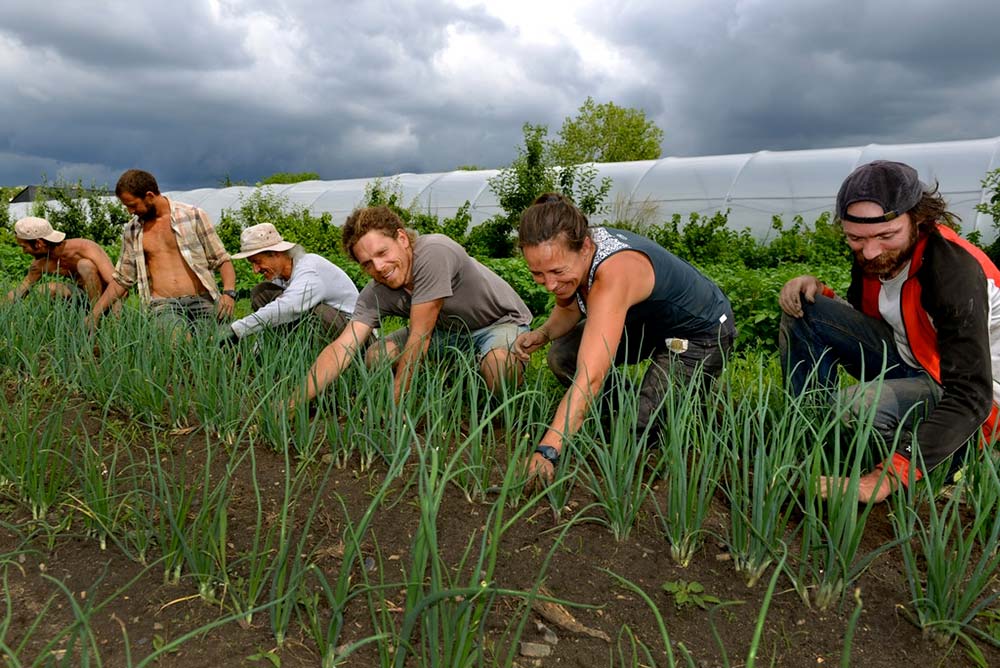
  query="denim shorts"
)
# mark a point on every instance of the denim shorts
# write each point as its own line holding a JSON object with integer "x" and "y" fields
{"x": 482, "y": 340}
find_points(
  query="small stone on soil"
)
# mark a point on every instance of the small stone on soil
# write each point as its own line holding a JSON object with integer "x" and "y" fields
{"x": 535, "y": 649}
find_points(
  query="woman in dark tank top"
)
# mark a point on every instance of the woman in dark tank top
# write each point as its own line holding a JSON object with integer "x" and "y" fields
{"x": 620, "y": 298}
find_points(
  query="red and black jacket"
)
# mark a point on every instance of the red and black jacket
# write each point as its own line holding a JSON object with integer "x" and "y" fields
{"x": 946, "y": 313}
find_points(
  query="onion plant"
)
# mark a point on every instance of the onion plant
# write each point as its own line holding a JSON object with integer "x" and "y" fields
{"x": 960, "y": 554}
{"x": 205, "y": 542}
{"x": 762, "y": 472}
{"x": 445, "y": 605}
{"x": 247, "y": 575}
{"x": 692, "y": 462}
{"x": 292, "y": 557}
{"x": 103, "y": 497}
{"x": 618, "y": 464}
{"x": 833, "y": 524}
{"x": 172, "y": 496}
{"x": 326, "y": 627}
{"x": 35, "y": 456}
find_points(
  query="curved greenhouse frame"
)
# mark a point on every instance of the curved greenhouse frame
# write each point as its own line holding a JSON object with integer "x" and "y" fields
{"x": 754, "y": 187}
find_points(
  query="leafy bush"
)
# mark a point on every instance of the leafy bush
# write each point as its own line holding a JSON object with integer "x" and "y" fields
{"x": 753, "y": 294}
{"x": 288, "y": 177}
{"x": 515, "y": 272}
{"x": 13, "y": 263}
{"x": 528, "y": 176}
{"x": 5, "y": 196}
{"x": 317, "y": 234}
{"x": 82, "y": 213}
{"x": 991, "y": 208}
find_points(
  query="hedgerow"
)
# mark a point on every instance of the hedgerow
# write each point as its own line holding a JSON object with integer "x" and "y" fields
{"x": 750, "y": 270}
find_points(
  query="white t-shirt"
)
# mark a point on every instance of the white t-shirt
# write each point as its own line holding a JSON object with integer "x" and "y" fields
{"x": 891, "y": 307}
{"x": 314, "y": 281}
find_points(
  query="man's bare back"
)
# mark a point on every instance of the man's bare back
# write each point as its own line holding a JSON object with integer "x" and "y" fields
{"x": 79, "y": 259}
{"x": 169, "y": 275}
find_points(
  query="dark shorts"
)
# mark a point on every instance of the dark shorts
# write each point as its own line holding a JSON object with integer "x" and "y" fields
{"x": 183, "y": 312}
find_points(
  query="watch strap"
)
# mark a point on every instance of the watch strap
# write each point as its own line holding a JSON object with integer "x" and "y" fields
{"x": 548, "y": 453}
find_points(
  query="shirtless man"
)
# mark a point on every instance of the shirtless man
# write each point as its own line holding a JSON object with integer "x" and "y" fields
{"x": 79, "y": 259}
{"x": 171, "y": 251}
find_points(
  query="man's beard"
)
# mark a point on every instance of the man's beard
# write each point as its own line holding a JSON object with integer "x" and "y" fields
{"x": 148, "y": 216}
{"x": 887, "y": 264}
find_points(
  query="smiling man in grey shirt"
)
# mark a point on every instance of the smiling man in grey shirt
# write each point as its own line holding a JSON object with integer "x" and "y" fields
{"x": 450, "y": 299}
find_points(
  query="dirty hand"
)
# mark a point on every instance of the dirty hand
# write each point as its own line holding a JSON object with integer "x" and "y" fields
{"x": 873, "y": 487}
{"x": 790, "y": 297}
{"x": 529, "y": 342}
{"x": 224, "y": 307}
{"x": 539, "y": 469}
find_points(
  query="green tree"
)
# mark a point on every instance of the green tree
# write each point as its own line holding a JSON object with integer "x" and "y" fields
{"x": 516, "y": 187}
{"x": 281, "y": 178}
{"x": 606, "y": 133}
{"x": 991, "y": 207}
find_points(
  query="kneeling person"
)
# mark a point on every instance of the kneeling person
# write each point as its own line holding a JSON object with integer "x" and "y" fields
{"x": 620, "y": 299}
{"x": 449, "y": 298}
{"x": 296, "y": 284}
{"x": 79, "y": 259}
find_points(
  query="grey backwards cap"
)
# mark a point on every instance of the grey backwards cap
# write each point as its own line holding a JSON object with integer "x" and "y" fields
{"x": 892, "y": 185}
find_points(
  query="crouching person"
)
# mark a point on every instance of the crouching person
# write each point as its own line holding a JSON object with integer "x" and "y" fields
{"x": 80, "y": 260}
{"x": 921, "y": 319}
{"x": 620, "y": 298}
{"x": 296, "y": 285}
{"x": 448, "y": 297}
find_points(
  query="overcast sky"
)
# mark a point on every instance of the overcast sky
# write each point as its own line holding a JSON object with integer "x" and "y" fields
{"x": 195, "y": 90}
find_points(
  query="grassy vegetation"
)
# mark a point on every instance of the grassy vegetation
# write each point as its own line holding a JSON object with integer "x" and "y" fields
{"x": 89, "y": 448}
{"x": 125, "y": 481}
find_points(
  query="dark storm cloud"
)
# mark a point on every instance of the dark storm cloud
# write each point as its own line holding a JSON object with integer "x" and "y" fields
{"x": 120, "y": 36}
{"x": 200, "y": 90}
{"x": 746, "y": 76}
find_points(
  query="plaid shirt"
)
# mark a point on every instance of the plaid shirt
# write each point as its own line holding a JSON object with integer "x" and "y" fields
{"x": 196, "y": 238}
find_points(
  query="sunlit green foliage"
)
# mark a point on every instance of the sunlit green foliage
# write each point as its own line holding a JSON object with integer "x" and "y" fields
{"x": 606, "y": 133}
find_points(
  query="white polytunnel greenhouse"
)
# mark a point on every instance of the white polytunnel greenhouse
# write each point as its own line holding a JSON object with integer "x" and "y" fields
{"x": 754, "y": 187}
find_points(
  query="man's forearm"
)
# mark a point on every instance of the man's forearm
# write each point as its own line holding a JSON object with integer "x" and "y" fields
{"x": 228, "y": 275}
{"x": 407, "y": 363}
{"x": 111, "y": 294}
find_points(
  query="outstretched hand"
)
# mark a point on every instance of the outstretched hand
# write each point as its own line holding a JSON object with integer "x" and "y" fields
{"x": 224, "y": 307}
{"x": 873, "y": 487}
{"x": 540, "y": 470}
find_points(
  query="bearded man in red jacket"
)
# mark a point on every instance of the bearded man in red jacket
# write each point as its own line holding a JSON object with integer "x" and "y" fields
{"x": 922, "y": 314}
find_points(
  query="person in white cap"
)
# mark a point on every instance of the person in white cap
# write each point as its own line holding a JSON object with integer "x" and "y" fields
{"x": 295, "y": 285}
{"x": 170, "y": 252}
{"x": 81, "y": 260}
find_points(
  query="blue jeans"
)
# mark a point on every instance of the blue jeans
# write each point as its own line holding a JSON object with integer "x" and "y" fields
{"x": 481, "y": 341}
{"x": 833, "y": 334}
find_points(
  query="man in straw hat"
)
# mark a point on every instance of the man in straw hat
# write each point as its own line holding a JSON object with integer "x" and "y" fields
{"x": 920, "y": 327}
{"x": 295, "y": 284}
{"x": 81, "y": 260}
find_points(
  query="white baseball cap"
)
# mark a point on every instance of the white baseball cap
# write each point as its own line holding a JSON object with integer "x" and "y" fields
{"x": 32, "y": 228}
{"x": 259, "y": 238}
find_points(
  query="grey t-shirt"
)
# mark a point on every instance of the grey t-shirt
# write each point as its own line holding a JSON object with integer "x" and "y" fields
{"x": 474, "y": 297}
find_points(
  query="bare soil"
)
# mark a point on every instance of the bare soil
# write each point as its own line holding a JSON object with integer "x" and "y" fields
{"x": 135, "y": 610}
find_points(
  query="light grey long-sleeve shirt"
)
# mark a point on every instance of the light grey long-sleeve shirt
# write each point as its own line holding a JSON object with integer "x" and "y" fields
{"x": 314, "y": 281}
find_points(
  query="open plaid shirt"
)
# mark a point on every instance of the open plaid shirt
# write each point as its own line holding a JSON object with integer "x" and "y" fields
{"x": 196, "y": 238}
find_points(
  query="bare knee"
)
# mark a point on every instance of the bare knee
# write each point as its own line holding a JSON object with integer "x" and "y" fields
{"x": 498, "y": 367}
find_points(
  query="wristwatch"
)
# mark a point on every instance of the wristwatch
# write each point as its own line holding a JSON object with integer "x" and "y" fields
{"x": 549, "y": 454}
{"x": 230, "y": 293}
